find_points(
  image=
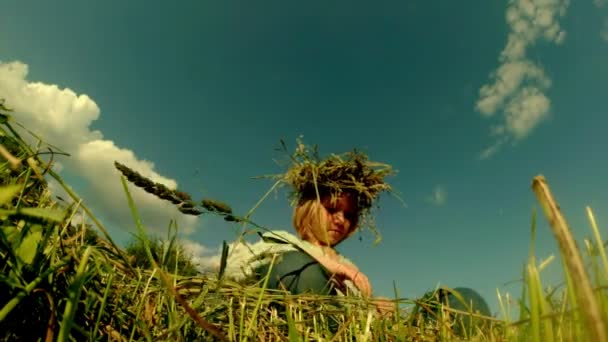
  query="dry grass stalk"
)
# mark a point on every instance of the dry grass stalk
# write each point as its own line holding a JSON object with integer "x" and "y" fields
{"x": 574, "y": 262}
{"x": 13, "y": 161}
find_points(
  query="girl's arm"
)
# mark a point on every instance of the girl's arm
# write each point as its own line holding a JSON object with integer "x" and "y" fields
{"x": 348, "y": 272}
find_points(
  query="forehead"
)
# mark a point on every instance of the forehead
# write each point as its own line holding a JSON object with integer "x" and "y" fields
{"x": 345, "y": 202}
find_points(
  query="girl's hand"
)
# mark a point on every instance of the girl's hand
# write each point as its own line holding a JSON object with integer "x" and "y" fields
{"x": 348, "y": 272}
{"x": 384, "y": 306}
{"x": 361, "y": 282}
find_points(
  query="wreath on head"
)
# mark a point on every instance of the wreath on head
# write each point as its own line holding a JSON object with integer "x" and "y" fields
{"x": 311, "y": 176}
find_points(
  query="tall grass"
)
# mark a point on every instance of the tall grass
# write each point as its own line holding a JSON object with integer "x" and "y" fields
{"x": 66, "y": 282}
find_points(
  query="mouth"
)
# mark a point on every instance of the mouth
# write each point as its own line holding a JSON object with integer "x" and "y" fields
{"x": 336, "y": 230}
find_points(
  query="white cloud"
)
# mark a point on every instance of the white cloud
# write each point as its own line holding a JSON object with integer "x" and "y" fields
{"x": 203, "y": 257}
{"x": 63, "y": 118}
{"x": 209, "y": 259}
{"x": 509, "y": 79}
{"x": 518, "y": 86}
{"x": 529, "y": 107}
{"x": 439, "y": 196}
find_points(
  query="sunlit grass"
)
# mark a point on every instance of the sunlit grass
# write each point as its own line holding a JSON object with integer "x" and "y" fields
{"x": 62, "y": 281}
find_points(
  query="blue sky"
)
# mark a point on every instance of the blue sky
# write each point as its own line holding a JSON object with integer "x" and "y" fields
{"x": 468, "y": 100}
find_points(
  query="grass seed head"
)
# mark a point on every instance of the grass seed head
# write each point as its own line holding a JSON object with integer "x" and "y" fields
{"x": 181, "y": 199}
{"x": 187, "y": 205}
{"x": 190, "y": 211}
{"x": 230, "y": 218}
{"x": 182, "y": 195}
{"x": 217, "y": 206}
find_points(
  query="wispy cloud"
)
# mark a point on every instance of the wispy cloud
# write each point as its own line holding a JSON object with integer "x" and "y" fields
{"x": 491, "y": 150}
{"x": 439, "y": 196}
{"x": 604, "y": 31}
{"x": 63, "y": 118}
{"x": 518, "y": 86}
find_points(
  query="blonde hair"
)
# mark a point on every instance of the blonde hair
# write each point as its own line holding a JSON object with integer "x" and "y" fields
{"x": 309, "y": 215}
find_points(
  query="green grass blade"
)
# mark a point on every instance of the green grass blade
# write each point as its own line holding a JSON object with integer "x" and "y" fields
{"x": 26, "y": 251}
{"x": 292, "y": 333}
{"x": 7, "y": 193}
{"x": 74, "y": 296}
{"x": 598, "y": 241}
{"x": 47, "y": 214}
{"x": 102, "y": 305}
{"x": 260, "y": 297}
{"x": 223, "y": 261}
{"x": 11, "y": 304}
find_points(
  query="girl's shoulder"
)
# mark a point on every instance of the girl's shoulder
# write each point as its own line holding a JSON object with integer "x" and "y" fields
{"x": 244, "y": 258}
{"x": 281, "y": 236}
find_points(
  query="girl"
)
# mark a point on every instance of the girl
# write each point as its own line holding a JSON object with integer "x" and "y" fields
{"x": 331, "y": 198}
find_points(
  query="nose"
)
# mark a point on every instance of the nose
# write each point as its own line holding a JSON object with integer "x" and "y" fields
{"x": 338, "y": 217}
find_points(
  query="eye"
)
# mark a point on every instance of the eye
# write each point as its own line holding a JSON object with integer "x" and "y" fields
{"x": 350, "y": 216}
{"x": 331, "y": 210}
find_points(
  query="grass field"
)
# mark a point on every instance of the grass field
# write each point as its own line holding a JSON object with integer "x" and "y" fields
{"x": 65, "y": 281}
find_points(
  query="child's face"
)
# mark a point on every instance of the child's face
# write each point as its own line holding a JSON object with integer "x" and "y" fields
{"x": 342, "y": 215}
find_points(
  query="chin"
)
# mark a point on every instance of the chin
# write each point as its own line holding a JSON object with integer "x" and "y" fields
{"x": 335, "y": 243}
